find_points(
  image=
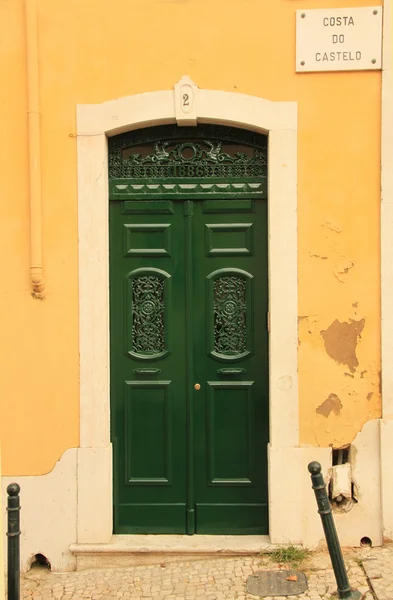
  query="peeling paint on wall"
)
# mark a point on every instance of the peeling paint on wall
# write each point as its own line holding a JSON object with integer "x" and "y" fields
{"x": 332, "y": 403}
{"x": 352, "y": 374}
{"x": 333, "y": 226}
{"x": 317, "y": 256}
{"x": 342, "y": 269}
{"x": 341, "y": 340}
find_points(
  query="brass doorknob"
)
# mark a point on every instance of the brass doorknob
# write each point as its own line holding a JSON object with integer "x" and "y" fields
{"x": 197, "y": 386}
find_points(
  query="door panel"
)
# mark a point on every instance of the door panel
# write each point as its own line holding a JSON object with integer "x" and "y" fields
{"x": 148, "y": 370}
{"x": 231, "y": 366}
{"x": 230, "y": 432}
{"x": 148, "y": 416}
{"x": 241, "y": 205}
{"x": 146, "y": 239}
{"x": 224, "y": 239}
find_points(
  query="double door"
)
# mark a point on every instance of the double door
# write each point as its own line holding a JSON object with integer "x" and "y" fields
{"x": 189, "y": 365}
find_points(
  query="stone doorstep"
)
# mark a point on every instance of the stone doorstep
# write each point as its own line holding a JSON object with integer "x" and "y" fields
{"x": 131, "y": 550}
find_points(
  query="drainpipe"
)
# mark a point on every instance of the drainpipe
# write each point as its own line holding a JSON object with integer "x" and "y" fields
{"x": 33, "y": 111}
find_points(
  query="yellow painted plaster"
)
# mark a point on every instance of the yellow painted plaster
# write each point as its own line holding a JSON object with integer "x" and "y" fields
{"x": 2, "y": 579}
{"x": 93, "y": 51}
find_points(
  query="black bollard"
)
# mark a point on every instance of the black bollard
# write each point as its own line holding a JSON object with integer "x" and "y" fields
{"x": 13, "y": 534}
{"x": 325, "y": 510}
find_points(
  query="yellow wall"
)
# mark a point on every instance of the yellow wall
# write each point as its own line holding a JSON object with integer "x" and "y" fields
{"x": 2, "y": 594}
{"x": 93, "y": 51}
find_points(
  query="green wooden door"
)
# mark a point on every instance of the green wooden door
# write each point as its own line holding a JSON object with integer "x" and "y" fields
{"x": 189, "y": 361}
{"x": 148, "y": 366}
{"x": 230, "y": 362}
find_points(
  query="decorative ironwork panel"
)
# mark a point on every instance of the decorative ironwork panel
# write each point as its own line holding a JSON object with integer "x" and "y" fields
{"x": 230, "y": 310}
{"x": 148, "y": 325}
{"x": 188, "y": 159}
{"x": 198, "y": 161}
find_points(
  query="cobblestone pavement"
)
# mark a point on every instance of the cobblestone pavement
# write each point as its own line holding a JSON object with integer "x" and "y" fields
{"x": 214, "y": 578}
{"x": 378, "y": 566}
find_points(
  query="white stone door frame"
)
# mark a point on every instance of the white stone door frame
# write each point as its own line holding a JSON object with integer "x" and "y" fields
{"x": 95, "y": 122}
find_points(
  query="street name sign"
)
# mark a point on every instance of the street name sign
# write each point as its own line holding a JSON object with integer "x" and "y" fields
{"x": 343, "y": 39}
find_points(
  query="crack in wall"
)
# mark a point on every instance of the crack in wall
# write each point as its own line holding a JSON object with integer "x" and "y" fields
{"x": 332, "y": 226}
{"x": 342, "y": 270}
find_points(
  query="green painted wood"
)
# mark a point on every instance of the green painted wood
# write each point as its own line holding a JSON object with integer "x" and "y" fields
{"x": 231, "y": 350}
{"x": 122, "y": 189}
{"x": 188, "y": 211}
{"x": 148, "y": 411}
{"x": 188, "y": 304}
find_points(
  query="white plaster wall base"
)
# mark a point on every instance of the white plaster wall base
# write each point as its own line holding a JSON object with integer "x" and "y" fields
{"x": 365, "y": 518}
{"x": 293, "y": 510}
{"x": 387, "y": 477}
{"x": 65, "y": 506}
{"x": 48, "y": 513}
{"x": 94, "y": 495}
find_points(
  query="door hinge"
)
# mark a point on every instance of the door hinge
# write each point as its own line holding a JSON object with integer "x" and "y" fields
{"x": 268, "y": 320}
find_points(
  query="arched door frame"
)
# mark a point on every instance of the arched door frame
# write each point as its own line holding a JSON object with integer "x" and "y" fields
{"x": 94, "y": 124}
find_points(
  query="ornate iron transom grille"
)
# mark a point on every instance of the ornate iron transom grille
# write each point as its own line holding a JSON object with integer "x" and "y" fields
{"x": 189, "y": 159}
{"x": 148, "y": 328}
{"x": 170, "y": 160}
{"x": 230, "y": 332}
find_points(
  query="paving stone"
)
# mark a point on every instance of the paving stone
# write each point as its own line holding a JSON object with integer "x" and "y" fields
{"x": 378, "y": 566}
{"x": 208, "y": 579}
